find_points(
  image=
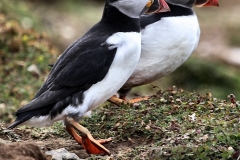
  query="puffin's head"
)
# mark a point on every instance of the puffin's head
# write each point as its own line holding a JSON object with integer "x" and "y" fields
{"x": 134, "y": 8}
{"x": 201, "y": 3}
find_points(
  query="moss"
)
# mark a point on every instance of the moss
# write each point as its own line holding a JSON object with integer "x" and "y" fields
{"x": 20, "y": 49}
{"x": 174, "y": 125}
{"x": 201, "y": 75}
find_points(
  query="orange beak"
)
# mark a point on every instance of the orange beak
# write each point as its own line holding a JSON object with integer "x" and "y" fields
{"x": 207, "y": 3}
{"x": 212, "y": 3}
{"x": 163, "y": 7}
{"x": 158, "y": 6}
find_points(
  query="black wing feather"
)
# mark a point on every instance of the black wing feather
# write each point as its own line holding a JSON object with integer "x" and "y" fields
{"x": 84, "y": 68}
{"x": 78, "y": 75}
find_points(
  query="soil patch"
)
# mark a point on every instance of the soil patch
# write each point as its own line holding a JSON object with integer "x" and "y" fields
{"x": 20, "y": 151}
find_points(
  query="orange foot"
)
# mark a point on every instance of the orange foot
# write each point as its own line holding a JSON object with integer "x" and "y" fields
{"x": 135, "y": 100}
{"x": 91, "y": 145}
{"x": 118, "y": 101}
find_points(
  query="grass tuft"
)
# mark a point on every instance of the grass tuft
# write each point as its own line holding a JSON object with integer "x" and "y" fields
{"x": 173, "y": 124}
{"x": 24, "y": 59}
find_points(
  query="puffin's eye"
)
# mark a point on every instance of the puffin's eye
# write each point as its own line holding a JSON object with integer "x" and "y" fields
{"x": 149, "y": 3}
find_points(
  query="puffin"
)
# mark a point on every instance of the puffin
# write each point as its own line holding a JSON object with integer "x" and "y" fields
{"x": 90, "y": 71}
{"x": 168, "y": 39}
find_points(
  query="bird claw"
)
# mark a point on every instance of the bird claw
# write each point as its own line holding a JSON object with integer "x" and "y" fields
{"x": 118, "y": 101}
{"x": 91, "y": 145}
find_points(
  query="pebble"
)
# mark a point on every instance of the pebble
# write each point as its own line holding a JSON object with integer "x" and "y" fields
{"x": 62, "y": 154}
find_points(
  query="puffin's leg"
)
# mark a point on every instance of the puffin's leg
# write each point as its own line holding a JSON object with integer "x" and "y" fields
{"x": 78, "y": 138}
{"x": 74, "y": 134}
{"x": 135, "y": 100}
{"x": 91, "y": 145}
{"x": 123, "y": 94}
{"x": 117, "y": 101}
{"x": 122, "y": 98}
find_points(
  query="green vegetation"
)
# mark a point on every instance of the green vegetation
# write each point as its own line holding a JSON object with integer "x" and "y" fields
{"x": 202, "y": 76}
{"x": 24, "y": 59}
{"x": 173, "y": 124}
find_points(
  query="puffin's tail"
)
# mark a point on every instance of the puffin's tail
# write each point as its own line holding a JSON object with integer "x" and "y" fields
{"x": 20, "y": 119}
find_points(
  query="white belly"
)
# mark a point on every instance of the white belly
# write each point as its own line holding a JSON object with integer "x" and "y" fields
{"x": 123, "y": 65}
{"x": 166, "y": 44}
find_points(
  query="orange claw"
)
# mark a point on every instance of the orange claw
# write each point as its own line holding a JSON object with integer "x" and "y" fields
{"x": 118, "y": 101}
{"x": 135, "y": 100}
{"x": 94, "y": 146}
{"x": 91, "y": 145}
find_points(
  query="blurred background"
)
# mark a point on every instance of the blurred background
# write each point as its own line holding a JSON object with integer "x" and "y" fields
{"x": 34, "y": 32}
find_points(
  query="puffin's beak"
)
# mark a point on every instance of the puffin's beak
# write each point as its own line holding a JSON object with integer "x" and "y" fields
{"x": 208, "y": 3}
{"x": 158, "y": 6}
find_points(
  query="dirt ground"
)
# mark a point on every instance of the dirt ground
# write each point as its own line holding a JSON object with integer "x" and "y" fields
{"x": 212, "y": 45}
{"x": 29, "y": 148}
{"x": 18, "y": 151}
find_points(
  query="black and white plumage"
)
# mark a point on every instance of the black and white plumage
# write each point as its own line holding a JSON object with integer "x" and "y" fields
{"x": 168, "y": 39}
{"x": 89, "y": 72}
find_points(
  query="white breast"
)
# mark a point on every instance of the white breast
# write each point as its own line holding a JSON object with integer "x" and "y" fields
{"x": 127, "y": 56}
{"x": 123, "y": 65}
{"x": 166, "y": 44}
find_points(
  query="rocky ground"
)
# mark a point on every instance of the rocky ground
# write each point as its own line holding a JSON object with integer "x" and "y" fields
{"x": 172, "y": 124}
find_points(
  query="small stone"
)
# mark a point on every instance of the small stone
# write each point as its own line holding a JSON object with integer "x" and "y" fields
{"x": 147, "y": 127}
{"x": 191, "y": 103}
{"x": 192, "y": 117}
{"x": 179, "y": 100}
{"x": 2, "y": 105}
{"x": 136, "y": 104}
{"x": 198, "y": 131}
{"x": 117, "y": 125}
{"x": 4, "y": 141}
{"x": 163, "y": 100}
{"x": 62, "y": 154}
{"x": 230, "y": 149}
{"x": 34, "y": 70}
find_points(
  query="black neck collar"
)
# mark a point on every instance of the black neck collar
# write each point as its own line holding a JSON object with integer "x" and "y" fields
{"x": 176, "y": 11}
{"x": 119, "y": 20}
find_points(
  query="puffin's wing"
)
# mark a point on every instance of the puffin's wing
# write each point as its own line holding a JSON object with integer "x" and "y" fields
{"x": 74, "y": 72}
{"x": 44, "y": 87}
{"x": 79, "y": 69}
{"x": 41, "y": 90}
